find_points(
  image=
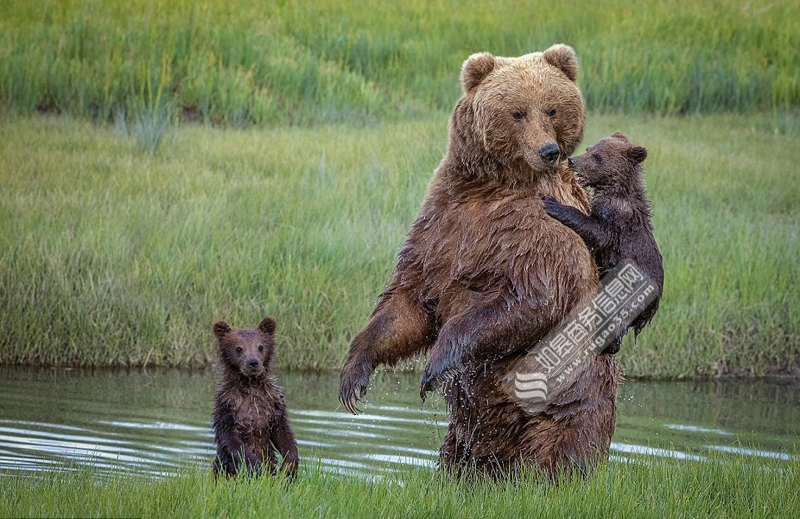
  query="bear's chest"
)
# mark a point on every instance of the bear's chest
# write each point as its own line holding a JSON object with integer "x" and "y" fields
{"x": 254, "y": 413}
{"x": 474, "y": 236}
{"x": 474, "y": 248}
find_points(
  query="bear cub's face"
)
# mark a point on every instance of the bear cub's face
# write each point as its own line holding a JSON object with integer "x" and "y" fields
{"x": 248, "y": 352}
{"x": 612, "y": 161}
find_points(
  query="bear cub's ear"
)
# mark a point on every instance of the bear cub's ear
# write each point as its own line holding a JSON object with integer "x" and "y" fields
{"x": 563, "y": 57}
{"x": 221, "y": 329}
{"x": 475, "y": 69}
{"x": 637, "y": 154}
{"x": 267, "y": 325}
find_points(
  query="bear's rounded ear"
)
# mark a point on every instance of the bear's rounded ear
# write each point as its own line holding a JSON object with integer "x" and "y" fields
{"x": 620, "y": 135}
{"x": 563, "y": 57}
{"x": 637, "y": 153}
{"x": 267, "y": 325}
{"x": 221, "y": 329}
{"x": 475, "y": 69}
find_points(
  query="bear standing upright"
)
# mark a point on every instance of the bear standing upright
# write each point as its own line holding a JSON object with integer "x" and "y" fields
{"x": 619, "y": 226}
{"x": 484, "y": 274}
{"x": 250, "y": 420}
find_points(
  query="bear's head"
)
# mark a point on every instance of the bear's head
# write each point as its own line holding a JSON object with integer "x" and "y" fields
{"x": 247, "y": 352}
{"x": 526, "y": 112}
{"x": 612, "y": 161}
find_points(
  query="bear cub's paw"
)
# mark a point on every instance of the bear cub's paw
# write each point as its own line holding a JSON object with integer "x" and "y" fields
{"x": 553, "y": 207}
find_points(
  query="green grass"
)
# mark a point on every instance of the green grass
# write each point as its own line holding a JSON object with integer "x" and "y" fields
{"x": 235, "y": 63}
{"x": 724, "y": 487}
{"x": 109, "y": 256}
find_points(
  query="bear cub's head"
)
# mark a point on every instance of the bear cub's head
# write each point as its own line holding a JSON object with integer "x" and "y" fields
{"x": 247, "y": 352}
{"x": 612, "y": 161}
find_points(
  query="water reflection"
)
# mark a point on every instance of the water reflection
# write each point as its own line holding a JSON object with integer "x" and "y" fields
{"x": 156, "y": 422}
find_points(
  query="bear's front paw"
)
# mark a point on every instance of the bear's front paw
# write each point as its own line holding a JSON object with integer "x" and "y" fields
{"x": 353, "y": 385}
{"x": 232, "y": 461}
{"x": 253, "y": 466}
{"x": 289, "y": 465}
{"x": 442, "y": 364}
{"x": 552, "y": 206}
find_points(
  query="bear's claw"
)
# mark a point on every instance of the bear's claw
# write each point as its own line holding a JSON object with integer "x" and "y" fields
{"x": 425, "y": 386}
{"x": 351, "y": 394}
{"x": 434, "y": 374}
{"x": 442, "y": 364}
{"x": 350, "y": 400}
{"x": 353, "y": 384}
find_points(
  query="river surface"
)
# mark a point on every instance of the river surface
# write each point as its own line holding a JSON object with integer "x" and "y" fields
{"x": 157, "y": 421}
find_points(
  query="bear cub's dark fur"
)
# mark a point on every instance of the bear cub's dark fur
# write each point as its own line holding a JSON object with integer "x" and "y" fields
{"x": 250, "y": 420}
{"x": 619, "y": 226}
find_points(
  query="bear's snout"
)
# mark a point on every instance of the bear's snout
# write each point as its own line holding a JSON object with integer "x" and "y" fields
{"x": 550, "y": 153}
{"x": 253, "y": 363}
{"x": 571, "y": 162}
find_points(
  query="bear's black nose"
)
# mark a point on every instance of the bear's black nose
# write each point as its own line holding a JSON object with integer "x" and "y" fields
{"x": 571, "y": 162}
{"x": 549, "y": 153}
{"x": 253, "y": 363}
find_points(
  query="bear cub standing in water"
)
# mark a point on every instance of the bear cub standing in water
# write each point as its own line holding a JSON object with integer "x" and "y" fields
{"x": 250, "y": 420}
{"x": 619, "y": 225}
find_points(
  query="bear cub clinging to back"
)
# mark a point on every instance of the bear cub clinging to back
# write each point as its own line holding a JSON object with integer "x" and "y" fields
{"x": 250, "y": 420}
{"x": 619, "y": 225}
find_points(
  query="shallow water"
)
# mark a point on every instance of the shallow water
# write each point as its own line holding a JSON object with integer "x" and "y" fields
{"x": 154, "y": 422}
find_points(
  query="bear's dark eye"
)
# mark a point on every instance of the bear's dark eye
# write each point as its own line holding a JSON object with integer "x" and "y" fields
{"x": 551, "y": 112}
{"x": 260, "y": 348}
{"x": 518, "y": 115}
{"x": 597, "y": 158}
{"x": 239, "y": 350}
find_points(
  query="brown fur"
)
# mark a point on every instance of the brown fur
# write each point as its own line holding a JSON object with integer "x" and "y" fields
{"x": 619, "y": 226}
{"x": 485, "y": 273}
{"x": 250, "y": 419}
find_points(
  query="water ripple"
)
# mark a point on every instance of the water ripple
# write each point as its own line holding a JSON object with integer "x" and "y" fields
{"x": 153, "y": 423}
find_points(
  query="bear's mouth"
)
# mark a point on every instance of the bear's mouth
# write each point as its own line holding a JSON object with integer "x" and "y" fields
{"x": 252, "y": 371}
{"x": 581, "y": 179}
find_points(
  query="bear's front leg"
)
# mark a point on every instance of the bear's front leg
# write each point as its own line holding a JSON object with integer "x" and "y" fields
{"x": 283, "y": 439}
{"x": 446, "y": 358}
{"x": 235, "y": 456}
{"x": 487, "y": 332}
{"x": 252, "y": 462}
{"x": 399, "y": 328}
{"x": 592, "y": 233}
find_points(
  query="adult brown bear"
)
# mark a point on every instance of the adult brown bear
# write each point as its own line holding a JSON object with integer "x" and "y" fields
{"x": 485, "y": 273}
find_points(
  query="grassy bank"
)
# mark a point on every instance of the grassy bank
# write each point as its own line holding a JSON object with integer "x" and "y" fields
{"x": 235, "y": 63}
{"x": 110, "y": 256}
{"x": 730, "y": 487}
